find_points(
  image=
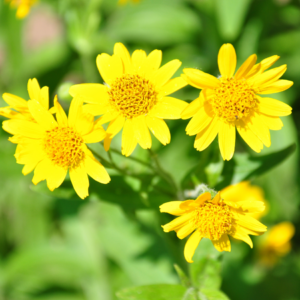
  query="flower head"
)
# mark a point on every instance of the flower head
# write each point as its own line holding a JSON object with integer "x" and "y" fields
{"x": 277, "y": 243}
{"x": 18, "y": 107}
{"x": 23, "y": 7}
{"x": 52, "y": 147}
{"x": 233, "y": 101}
{"x": 134, "y": 96}
{"x": 214, "y": 219}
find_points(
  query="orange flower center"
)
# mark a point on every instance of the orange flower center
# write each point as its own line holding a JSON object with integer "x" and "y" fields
{"x": 213, "y": 220}
{"x": 233, "y": 99}
{"x": 64, "y": 147}
{"x": 132, "y": 95}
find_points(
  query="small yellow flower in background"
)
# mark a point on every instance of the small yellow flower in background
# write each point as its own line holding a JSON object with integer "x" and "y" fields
{"x": 233, "y": 101}
{"x": 18, "y": 107}
{"x": 122, "y": 2}
{"x": 23, "y": 7}
{"x": 134, "y": 97}
{"x": 215, "y": 219}
{"x": 277, "y": 243}
{"x": 52, "y": 147}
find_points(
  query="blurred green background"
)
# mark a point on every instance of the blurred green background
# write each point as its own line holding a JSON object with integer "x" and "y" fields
{"x": 54, "y": 246}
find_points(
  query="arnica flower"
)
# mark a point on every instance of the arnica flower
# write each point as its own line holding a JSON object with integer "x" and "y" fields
{"x": 233, "y": 101}
{"x": 18, "y": 107}
{"x": 23, "y": 7}
{"x": 134, "y": 97}
{"x": 214, "y": 219}
{"x": 277, "y": 243}
{"x": 53, "y": 147}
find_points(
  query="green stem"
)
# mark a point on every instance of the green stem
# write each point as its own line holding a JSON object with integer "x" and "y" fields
{"x": 165, "y": 175}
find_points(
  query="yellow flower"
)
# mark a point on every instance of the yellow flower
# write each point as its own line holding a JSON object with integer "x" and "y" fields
{"x": 23, "y": 7}
{"x": 122, "y": 2}
{"x": 276, "y": 243}
{"x": 134, "y": 96}
{"x": 214, "y": 219}
{"x": 52, "y": 147}
{"x": 18, "y": 107}
{"x": 233, "y": 101}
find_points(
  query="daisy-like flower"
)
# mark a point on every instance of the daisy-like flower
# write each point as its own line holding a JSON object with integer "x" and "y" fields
{"x": 23, "y": 7}
{"x": 18, "y": 107}
{"x": 134, "y": 96}
{"x": 233, "y": 101}
{"x": 277, "y": 243}
{"x": 53, "y": 147}
{"x": 215, "y": 219}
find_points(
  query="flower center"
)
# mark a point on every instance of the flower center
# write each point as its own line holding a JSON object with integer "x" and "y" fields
{"x": 64, "y": 147}
{"x": 132, "y": 95}
{"x": 233, "y": 100}
{"x": 213, "y": 220}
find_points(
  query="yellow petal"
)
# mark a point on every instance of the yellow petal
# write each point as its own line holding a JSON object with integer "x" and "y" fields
{"x": 200, "y": 79}
{"x": 164, "y": 74}
{"x": 33, "y": 89}
{"x": 74, "y": 111}
{"x": 141, "y": 132}
{"x": 152, "y": 63}
{"x": 241, "y": 235}
{"x": 185, "y": 230}
{"x": 172, "y": 207}
{"x": 249, "y": 222}
{"x": 159, "y": 128}
{"x": 203, "y": 198}
{"x": 95, "y": 136}
{"x": 22, "y": 11}
{"x": 121, "y": 50}
{"x": 191, "y": 246}
{"x": 251, "y": 206}
{"x": 273, "y": 123}
{"x": 276, "y": 87}
{"x": 200, "y": 120}
{"x": 172, "y": 86}
{"x": 258, "y": 127}
{"x": 207, "y": 135}
{"x": 23, "y": 127}
{"x": 249, "y": 137}
{"x": 44, "y": 97}
{"x": 80, "y": 181}
{"x": 107, "y": 117}
{"x": 267, "y": 77}
{"x": 41, "y": 171}
{"x": 14, "y": 101}
{"x": 138, "y": 59}
{"x": 223, "y": 244}
{"x": 178, "y": 222}
{"x": 107, "y": 142}
{"x": 246, "y": 66}
{"x": 84, "y": 123}
{"x": 97, "y": 109}
{"x": 115, "y": 126}
{"x": 110, "y": 67}
{"x": 55, "y": 176}
{"x": 217, "y": 198}
{"x": 227, "y": 140}
{"x": 269, "y": 61}
{"x": 280, "y": 234}
{"x": 61, "y": 116}
{"x": 227, "y": 60}
{"x": 43, "y": 117}
{"x": 273, "y": 107}
{"x": 93, "y": 93}
{"x": 192, "y": 108}
{"x": 168, "y": 108}
{"x": 129, "y": 141}
{"x": 96, "y": 170}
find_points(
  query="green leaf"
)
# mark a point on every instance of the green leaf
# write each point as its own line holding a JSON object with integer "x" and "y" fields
{"x": 156, "y": 291}
{"x": 231, "y": 15}
{"x": 208, "y": 294}
{"x": 245, "y": 166}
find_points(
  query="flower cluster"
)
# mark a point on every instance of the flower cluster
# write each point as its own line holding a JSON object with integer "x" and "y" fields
{"x": 135, "y": 99}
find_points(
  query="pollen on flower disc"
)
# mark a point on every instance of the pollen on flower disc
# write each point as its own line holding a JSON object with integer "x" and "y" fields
{"x": 64, "y": 147}
{"x": 213, "y": 220}
{"x": 132, "y": 95}
{"x": 233, "y": 99}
